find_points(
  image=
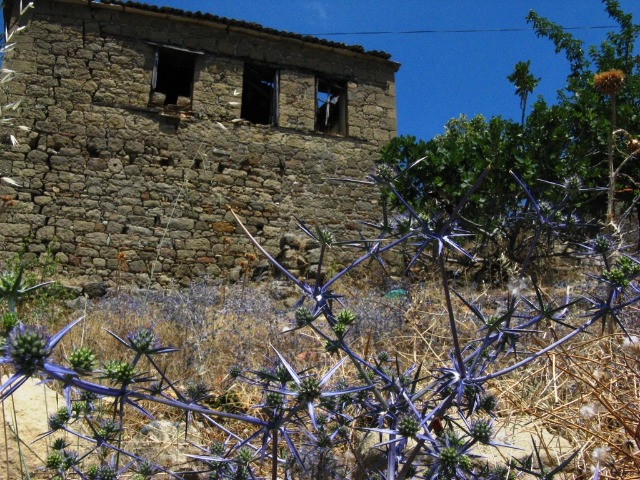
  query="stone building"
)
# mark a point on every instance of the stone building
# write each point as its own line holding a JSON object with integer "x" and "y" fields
{"x": 147, "y": 125}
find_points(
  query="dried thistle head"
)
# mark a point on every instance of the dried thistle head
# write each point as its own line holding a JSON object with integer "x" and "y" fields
{"x": 609, "y": 82}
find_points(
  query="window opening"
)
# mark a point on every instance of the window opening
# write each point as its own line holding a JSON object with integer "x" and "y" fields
{"x": 331, "y": 107}
{"x": 260, "y": 94}
{"x": 173, "y": 74}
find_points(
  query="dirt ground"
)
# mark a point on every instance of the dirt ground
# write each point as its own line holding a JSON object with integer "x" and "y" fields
{"x": 27, "y": 412}
{"x": 25, "y": 416}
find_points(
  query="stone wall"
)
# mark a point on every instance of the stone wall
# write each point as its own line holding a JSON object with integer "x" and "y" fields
{"x": 118, "y": 190}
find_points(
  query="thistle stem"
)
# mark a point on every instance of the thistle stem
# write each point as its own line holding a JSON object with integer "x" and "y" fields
{"x": 358, "y": 362}
{"x": 613, "y": 173}
{"x": 452, "y": 320}
{"x": 539, "y": 353}
{"x": 274, "y": 455}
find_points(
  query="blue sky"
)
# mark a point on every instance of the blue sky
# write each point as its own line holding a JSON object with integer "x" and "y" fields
{"x": 443, "y": 74}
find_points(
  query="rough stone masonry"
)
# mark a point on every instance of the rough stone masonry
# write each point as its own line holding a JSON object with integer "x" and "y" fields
{"x": 148, "y": 125}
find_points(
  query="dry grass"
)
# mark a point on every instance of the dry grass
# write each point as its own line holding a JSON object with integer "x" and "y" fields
{"x": 587, "y": 393}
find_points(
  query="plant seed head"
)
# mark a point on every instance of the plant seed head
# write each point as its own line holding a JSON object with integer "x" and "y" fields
{"x": 282, "y": 374}
{"x": 609, "y": 82}
{"x": 196, "y": 391}
{"x": 54, "y": 461}
{"x": 274, "y": 400}
{"x": 27, "y": 348}
{"x": 59, "y": 419}
{"x": 602, "y": 244}
{"x": 616, "y": 278}
{"x": 92, "y": 472}
{"x": 346, "y": 316}
{"x": 59, "y": 444}
{"x": 82, "y": 359}
{"x": 488, "y": 403}
{"x": 217, "y": 449}
{"x": 340, "y": 329}
{"x": 383, "y": 356}
{"x": 481, "y": 431}
{"x": 143, "y": 341}
{"x": 108, "y": 429}
{"x": 325, "y": 237}
{"x": 449, "y": 457}
{"x": 408, "y": 427}
{"x": 309, "y": 389}
{"x": 7, "y": 323}
{"x": 332, "y": 346}
{"x": 385, "y": 173}
{"x": 146, "y": 469}
{"x": 106, "y": 472}
{"x": 235, "y": 371}
{"x": 572, "y": 185}
{"x": 244, "y": 456}
{"x": 303, "y": 316}
{"x": 119, "y": 371}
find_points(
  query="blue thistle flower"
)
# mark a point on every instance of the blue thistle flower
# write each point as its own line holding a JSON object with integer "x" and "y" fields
{"x": 54, "y": 461}
{"x": 28, "y": 350}
{"x": 143, "y": 341}
{"x": 82, "y": 359}
{"x": 481, "y": 431}
{"x": 59, "y": 419}
{"x": 119, "y": 371}
{"x": 106, "y": 472}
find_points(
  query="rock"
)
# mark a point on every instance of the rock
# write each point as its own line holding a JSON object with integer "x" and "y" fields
{"x": 95, "y": 289}
{"x": 518, "y": 432}
{"x": 163, "y": 442}
{"x": 280, "y": 290}
{"x": 293, "y": 241}
{"x": 77, "y": 304}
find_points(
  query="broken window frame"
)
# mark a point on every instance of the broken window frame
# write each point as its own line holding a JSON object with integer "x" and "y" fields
{"x": 170, "y": 87}
{"x": 260, "y": 80}
{"x": 331, "y": 100}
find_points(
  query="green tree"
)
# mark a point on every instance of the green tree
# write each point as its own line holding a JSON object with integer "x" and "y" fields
{"x": 556, "y": 142}
{"x": 589, "y": 115}
{"x": 525, "y": 83}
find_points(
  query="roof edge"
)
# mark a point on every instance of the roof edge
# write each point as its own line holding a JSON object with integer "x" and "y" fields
{"x": 250, "y": 27}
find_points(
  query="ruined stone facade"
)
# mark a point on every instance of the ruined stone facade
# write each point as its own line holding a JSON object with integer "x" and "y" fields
{"x": 148, "y": 125}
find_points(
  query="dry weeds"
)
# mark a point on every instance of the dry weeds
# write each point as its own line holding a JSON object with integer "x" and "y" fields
{"x": 586, "y": 394}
